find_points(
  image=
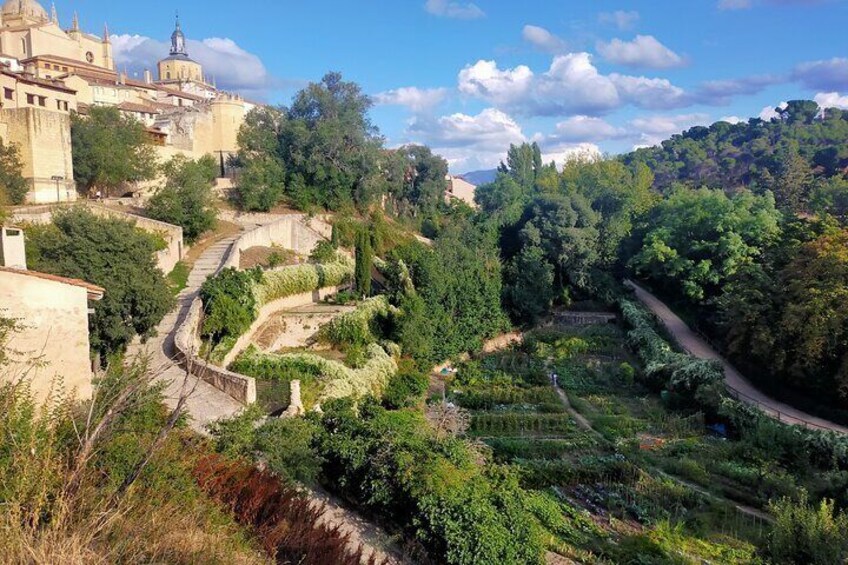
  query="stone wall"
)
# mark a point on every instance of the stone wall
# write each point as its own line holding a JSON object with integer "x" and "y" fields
{"x": 265, "y": 313}
{"x": 292, "y": 232}
{"x": 173, "y": 235}
{"x": 187, "y": 344}
{"x": 44, "y": 140}
{"x": 53, "y": 341}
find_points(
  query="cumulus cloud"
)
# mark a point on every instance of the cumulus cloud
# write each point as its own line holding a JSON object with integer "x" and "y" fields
{"x": 831, "y": 74}
{"x": 562, "y": 154}
{"x": 577, "y": 129}
{"x": 652, "y": 130}
{"x": 455, "y": 10}
{"x": 644, "y": 51}
{"x": 733, "y": 120}
{"x": 572, "y": 85}
{"x": 416, "y": 99}
{"x": 770, "y": 112}
{"x": 468, "y": 141}
{"x": 543, "y": 40}
{"x": 621, "y": 19}
{"x": 831, "y": 100}
{"x": 232, "y": 67}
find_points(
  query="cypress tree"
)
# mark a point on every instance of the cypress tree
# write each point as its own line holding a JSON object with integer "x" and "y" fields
{"x": 364, "y": 261}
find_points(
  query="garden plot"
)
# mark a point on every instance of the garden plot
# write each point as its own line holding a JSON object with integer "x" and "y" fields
{"x": 296, "y": 328}
{"x": 594, "y": 493}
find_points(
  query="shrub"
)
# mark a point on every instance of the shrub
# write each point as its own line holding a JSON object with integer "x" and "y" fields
{"x": 286, "y": 446}
{"x": 298, "y": 279}
{"x": 186, "y": 199}
{"x": 324, "y": 252}
{"x": 359, "y": 327}
{"x": 407, "y": 387}
{"x": 805, "y": 535}
{"x": 229, "y": 303}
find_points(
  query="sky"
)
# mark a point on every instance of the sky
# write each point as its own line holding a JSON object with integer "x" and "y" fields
{"x": 470, "y": 78}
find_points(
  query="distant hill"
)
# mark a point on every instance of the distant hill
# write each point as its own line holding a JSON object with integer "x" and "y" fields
{"x": 479, "y": 178}
{"x": 752, "y": 154}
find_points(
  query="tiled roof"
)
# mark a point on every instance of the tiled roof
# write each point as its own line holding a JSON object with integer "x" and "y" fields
{"x": 94, "y": 292}
{"x": 51, "y": 84}
{"x": 141, "y": 108}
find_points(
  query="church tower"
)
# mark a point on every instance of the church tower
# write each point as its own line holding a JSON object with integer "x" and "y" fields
{"x": 179, "y": 68}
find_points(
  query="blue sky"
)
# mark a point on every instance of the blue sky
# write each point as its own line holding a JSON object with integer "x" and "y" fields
{"x": 471, "y": 78}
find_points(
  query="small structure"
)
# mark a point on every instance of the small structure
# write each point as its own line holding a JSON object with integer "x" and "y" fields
{"x": 571, "y": 318}
{"x": 460, "y": 189}
{"x": 50, "y": 348}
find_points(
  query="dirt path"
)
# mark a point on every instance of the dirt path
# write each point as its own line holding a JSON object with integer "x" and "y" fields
{"x": 737, "y": 384}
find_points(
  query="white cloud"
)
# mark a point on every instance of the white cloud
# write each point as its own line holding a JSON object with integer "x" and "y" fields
{"x": 832, "y": 100}
{"x": 572, "y": 85}
{"x": 733, "y": 120}
{"x": 542, "y": 39}
{"x": 746, "y": 4}
{"x": 653, "y": 130}
{"x": 232, "y": 67}
{"x": 416, "y": 99}
{"x": 560, "y": 155}
{"x": 586, "y": 129}
{"x": 455, "y": 10}
{"x": 644, "y": 51}
{"x": 620, "y": 18}
{"x": 468, "y": 142}
{"x": 770, "y": 112}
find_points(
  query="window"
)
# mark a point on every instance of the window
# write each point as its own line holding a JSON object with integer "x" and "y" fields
{"x": 42, "y": 101}
{"x": 168, "y": 75}
{"x": 58, "y": 104}
{"x": 8, "y": 94}
{"x": 30, "y": 98}
{"x": 65, "y": 69}
{"x": 65, "y": 105}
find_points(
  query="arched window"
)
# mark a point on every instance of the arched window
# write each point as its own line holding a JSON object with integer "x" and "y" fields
{"x": 168, "y": 75}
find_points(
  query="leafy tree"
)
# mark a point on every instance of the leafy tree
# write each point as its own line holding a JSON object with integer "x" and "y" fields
{"x": 695, "y": 240}
{"x": 113, "y": 254}
{"x": 794, "y": 180}
{"x": 407, "y": 387}
{"x": 13, "y": 188}
{"x": 806, "y": 535}
{"x": 418, "y": 183}
{"x": 229, "y": 302}
{"x": 831, "y": 197}
{"x": 364, "y": 263}
{"x": 186, "y": 198}
{"x": 530, "y": 285}
{"x": 110, "y": 149}
{"x": 287, "y": 447}
{"x": 261, "y": 180}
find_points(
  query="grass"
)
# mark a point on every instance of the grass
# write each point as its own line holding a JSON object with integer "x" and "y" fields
{"x": 178, "y": 278}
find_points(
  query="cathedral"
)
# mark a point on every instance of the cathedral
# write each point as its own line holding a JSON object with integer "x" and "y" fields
{"x": 47, "y": 73}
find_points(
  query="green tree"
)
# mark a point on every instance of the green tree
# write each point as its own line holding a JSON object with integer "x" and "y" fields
{"x": 419, "y": 188}
{"x": 695, "y": 240}
{"x": 13, "y": 188}
{"x": 113, "y": 254}
{"x": 794, "y": 181}
{"x": 110, "y": 150}
{"x": 364, "y": 263}
{"x": 530, "y": 285}
{"x": 261, "y": 182}
{"x": 831, "y": 197}
{"x": 186, "y": 197}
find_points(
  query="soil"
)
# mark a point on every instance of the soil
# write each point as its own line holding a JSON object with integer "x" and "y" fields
{"x": 261, "y": 257}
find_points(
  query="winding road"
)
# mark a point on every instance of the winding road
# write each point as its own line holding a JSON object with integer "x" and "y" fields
{"x": 736, "y": 383}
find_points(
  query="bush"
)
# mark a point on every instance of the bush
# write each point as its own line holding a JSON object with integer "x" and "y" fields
{"x": 407, "y": 388}
{"x": 298, "y": 279}
{"x": 805, "y": 535}
{"x": 286, "y": 446}
{"x": 359, "y": 327}
{"x": 229, "y": 303}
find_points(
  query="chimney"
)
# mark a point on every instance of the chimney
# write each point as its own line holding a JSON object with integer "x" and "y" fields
{"x": 148, "y": 76}
{"x": 12, "y": 248}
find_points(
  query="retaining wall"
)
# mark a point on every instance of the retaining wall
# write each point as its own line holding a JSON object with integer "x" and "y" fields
{"x": 173, "y": 235}
{"x": 292, "y": 232}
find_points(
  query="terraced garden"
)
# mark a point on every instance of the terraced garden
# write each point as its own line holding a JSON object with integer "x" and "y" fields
{"x": 596, "y": 474}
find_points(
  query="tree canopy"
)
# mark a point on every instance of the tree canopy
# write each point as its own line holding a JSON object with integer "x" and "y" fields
{"x": 110, "y": 150}
{"x": 13, "y": 188}
{"x": 113, "y": 254}
{"x": 186, "y": 198}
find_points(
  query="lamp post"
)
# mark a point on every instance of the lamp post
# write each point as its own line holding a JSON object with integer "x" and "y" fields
{"x": 58, "y": 179}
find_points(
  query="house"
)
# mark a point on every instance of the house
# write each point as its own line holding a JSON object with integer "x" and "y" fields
{"x": 50, "y": 348}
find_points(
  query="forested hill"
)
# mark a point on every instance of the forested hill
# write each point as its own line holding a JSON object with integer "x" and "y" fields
{"x": 802, "y": 141}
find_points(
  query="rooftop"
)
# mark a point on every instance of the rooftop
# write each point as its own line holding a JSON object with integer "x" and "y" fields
{"x": 94, "y": 292}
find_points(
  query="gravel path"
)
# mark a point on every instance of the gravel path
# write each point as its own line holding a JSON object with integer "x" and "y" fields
{"x": 737, "y": 384}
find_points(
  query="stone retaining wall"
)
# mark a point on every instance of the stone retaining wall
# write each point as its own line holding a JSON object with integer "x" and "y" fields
{"x": 171, "y": 234}
{"x": 292, "y": 232}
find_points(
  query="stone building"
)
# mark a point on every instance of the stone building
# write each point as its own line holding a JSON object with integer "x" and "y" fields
{"x": 50, "y": 349}
{"x": 461, "y": 190}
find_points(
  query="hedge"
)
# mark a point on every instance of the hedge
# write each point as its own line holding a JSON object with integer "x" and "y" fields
{"x": 357, "y": 328}
{"x": 298, "y": 279}
{"x": 335, "y": 380}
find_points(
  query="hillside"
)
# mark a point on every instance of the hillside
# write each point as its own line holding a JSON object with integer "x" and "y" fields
{"x": 754, "y": 154}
